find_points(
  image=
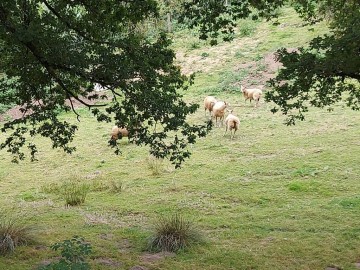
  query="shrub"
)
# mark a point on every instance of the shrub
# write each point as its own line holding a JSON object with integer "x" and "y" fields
{"x": 13, "y": 233}
{"x": 74, "y": 192}
{"x": 8, "y": 97}
{"x": 73, "y": 253}
{"x": 173, "y": 233}
{"x": 205, "y": 54}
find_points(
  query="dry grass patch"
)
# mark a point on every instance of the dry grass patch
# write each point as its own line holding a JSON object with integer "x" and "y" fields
{"x": 13, "y": 233}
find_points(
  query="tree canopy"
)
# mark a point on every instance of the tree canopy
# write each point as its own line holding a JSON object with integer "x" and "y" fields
{"x": 320, "y": 74}
{"x": 54, "y": 52}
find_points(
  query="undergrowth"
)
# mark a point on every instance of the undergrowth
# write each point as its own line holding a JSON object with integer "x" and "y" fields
{"x": 173, "y": 233}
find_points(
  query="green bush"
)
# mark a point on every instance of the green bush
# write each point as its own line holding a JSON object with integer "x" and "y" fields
{"x": 7, "y": 93}
{"x": 173, "y": 233}
{"x": 73, "y": 253}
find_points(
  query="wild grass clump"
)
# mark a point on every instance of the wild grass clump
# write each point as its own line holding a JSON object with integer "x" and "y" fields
{"x": 13, "y": 233}
{"x": 173, "y": 233}
{"x": 247, "y": 28}
{"x": 306, "y": 171}
{"x": 51, "y": 188}
{"x": 116, "y": 186}
{"x": 155, "y": 165}
{"x": 74, "y": 192}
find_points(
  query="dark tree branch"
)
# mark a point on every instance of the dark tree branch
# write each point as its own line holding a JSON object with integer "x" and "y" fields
{"x": 78, "y": 31}
{"x": 73, "y": 109}
{"x": 43, "y": 61}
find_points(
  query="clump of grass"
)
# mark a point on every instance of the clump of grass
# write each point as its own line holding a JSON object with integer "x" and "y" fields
{"x": 247, "y": 28}
{"x": 74, "y": 192}
{"x": 194, "y": 45}
{"x": 51, "y": 188}
{"x": 205, "y": 54}
{"x": 13, "y": 233}
{"x": 349, "y": 203}
{"x": 173, "y": 233}
{"x": 155, "y": 165}
{"x": 306, "y": 171}
{"x": 116, "y": 186}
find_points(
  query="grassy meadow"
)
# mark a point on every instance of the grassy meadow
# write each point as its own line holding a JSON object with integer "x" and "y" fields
{"x": 274, "y": 197}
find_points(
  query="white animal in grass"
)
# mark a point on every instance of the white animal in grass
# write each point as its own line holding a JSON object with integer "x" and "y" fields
{"x": 209, "y": 103}
{"x": 218, "y": 111}
{"x": 252, "y": 94}
{"x": 232, "y": 123}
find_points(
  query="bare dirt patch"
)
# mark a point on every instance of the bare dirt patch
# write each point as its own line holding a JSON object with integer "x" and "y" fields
{"x": 138, "y": 267}
{"x": 153, "y": 257}
{"x": 108, "y": 262}
{"x": 16, "y": 113}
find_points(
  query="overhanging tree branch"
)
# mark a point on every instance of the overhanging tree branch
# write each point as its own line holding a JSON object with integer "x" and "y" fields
{"x": 77, "y": 30}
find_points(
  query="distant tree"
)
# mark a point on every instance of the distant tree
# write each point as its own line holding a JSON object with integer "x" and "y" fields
{"x": 54, "y": 52}
{"x": 320, "y": 74}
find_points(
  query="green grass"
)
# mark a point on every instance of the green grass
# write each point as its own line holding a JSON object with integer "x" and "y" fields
{"x": 275, "y": 197}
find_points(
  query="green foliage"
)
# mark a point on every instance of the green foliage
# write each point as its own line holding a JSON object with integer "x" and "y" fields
{"x": 194, "y": 45}
{"x": 247, "y": 28}
{"x": 205, "y": 54}
{"x": 54, "y": 54}
{"x": 217, "y": 19}
{"x": 325, "y": 72}
{"x": 320, "y": 74}
{"x": 73, "y": 255}
{"x": 74, "y": 192}
{"x": 13, "y": 233}
{"x": 8, "y": 97}
{"x": 173, "y": 233}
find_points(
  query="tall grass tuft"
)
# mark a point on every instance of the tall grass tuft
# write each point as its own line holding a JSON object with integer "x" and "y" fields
{"x": 155, "y": 165}
{"x": 173, "y": 233}
{"x": 13, "y": 233}
{"x": 74, "y": 192}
